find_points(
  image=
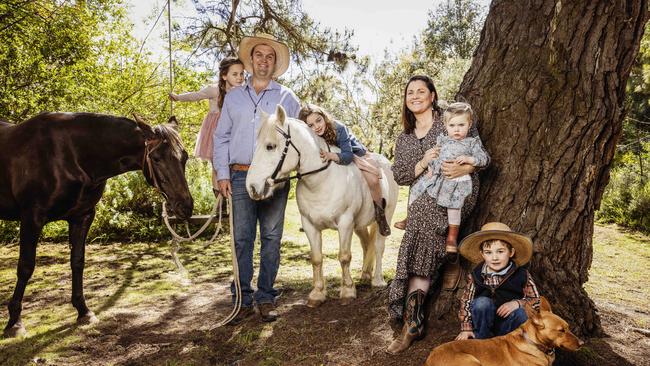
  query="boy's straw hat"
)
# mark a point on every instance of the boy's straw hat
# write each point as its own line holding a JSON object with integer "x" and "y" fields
{"x": 470, "y": 247}
{"x": 281, "y": 52}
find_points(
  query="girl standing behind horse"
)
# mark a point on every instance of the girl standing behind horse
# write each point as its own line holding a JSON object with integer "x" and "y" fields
{"x": 337, "y": 134}
{"x": 231, "y": 74}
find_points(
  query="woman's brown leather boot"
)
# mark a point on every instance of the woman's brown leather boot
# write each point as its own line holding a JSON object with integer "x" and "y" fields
{"x": 413, "y": 323}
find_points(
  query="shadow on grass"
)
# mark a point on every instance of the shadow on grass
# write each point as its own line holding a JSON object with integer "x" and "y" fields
{"x": 23, "y": 351}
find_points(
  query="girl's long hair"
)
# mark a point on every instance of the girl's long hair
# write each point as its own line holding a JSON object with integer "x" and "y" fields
{"x": 330, "y": 130}
{"x": 408, "y": 118}
{"x": 224, "y": 66}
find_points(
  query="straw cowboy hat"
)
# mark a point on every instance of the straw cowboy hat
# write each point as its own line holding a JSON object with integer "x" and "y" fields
{"x": 281, "y": 52}
{"x": 470, "y": 247}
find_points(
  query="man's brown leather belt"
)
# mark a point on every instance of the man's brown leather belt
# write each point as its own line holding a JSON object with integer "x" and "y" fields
{"x": 239, "y": 167}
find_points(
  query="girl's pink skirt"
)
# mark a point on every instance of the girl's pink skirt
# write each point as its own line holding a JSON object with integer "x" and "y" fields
{"x": 204, "y": 143}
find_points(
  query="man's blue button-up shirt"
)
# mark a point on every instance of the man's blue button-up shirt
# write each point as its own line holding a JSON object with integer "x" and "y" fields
{"x": 236, "y": 132}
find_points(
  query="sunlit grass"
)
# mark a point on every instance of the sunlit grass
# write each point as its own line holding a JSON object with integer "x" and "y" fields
{"x": 619, "y": 271}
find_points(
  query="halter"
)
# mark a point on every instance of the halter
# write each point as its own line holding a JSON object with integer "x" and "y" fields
{"x": 149, "y": 147}
{"x": 287, "y": 143}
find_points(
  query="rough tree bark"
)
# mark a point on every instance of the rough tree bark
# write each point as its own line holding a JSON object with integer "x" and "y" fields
{"x": 548, "y": 84}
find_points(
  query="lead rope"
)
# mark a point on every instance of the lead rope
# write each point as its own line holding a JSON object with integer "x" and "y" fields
{"x": 177, "y": 239}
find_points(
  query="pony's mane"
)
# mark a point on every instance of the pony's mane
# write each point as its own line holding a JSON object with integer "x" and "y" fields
{"x": 167, "y": 132}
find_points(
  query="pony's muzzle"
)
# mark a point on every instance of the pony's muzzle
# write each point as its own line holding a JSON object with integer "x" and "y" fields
{"x": 259, "y": 193}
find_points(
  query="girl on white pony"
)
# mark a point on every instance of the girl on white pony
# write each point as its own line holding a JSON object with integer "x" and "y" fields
{"x": 337, "y": 134}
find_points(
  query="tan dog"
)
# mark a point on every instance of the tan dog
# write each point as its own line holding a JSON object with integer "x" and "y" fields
{"x": 533, "y": 343}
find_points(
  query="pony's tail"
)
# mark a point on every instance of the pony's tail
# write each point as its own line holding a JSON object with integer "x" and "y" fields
{"x": 369, "y": 257}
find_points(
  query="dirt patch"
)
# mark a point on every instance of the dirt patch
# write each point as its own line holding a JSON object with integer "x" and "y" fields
{"x": 180, "y": 331}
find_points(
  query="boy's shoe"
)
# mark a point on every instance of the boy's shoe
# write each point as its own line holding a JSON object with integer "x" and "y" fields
{"x": 244, "y": 313}
{"x": 267, "y": 312}
{"x": 400, "y": 224}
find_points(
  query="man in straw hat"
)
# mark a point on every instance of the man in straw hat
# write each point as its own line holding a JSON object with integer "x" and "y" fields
{"x": 264, "y": 58}
{"x": 498, "y": 287}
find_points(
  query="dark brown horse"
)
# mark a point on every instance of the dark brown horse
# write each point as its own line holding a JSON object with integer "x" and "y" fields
{"x": 55, "y": 166}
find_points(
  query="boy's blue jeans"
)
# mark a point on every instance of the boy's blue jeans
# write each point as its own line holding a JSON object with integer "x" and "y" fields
{"x": 487, "y": 323}
{"x": 246, "y": 213}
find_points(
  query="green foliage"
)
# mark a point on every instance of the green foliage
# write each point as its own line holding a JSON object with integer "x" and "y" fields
{"x": 81, "y": 57}
{"x": 453, "y": 30}
{"x": 626, "y": 200}
{"x": 223, "y": 23}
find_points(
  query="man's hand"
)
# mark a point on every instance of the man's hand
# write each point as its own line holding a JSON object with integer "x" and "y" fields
{"x": 225, "y": 188}
{"x": 506, "y": 309}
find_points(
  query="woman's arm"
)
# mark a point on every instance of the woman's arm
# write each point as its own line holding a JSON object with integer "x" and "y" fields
{"x": 406, "y": 160}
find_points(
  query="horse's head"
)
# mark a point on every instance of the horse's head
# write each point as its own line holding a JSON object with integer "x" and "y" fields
{"x": 274, "y": 157}
{"x": 164, "y": 165}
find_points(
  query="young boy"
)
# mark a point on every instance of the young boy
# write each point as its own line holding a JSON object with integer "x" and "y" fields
{"x": 498, "y": 287}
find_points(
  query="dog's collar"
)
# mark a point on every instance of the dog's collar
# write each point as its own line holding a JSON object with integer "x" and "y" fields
{"x": 550, "y": 351}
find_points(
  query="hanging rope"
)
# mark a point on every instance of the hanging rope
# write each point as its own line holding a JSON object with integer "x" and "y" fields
{"x": 171, "y": 65}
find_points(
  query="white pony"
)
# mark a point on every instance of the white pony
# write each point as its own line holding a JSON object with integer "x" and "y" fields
{"x": 330, "y": 196}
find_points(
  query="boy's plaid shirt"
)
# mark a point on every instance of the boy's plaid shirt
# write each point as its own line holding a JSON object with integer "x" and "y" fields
{"x": 531, "y": 295}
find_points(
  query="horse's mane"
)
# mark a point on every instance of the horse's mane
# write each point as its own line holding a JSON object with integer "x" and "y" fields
{"x": 167, "y": 132}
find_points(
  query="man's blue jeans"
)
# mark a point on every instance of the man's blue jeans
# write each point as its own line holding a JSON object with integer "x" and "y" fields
{"x": 246, "y": 213}
{"x": 487, "y": 323}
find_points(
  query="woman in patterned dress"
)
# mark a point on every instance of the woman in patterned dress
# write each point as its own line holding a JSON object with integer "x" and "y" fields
{"x": 422, "y": 251}
{"x": 231, "y": 74}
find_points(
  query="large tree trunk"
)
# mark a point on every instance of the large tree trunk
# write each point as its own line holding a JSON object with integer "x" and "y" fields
{"x": 548, "y": 84}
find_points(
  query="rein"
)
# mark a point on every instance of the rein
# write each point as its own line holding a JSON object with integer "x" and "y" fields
{"x": 287, "y": 143}
{"x": 549, "y": 351}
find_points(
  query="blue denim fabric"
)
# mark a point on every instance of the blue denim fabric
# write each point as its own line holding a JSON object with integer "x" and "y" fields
{"x": 246, "y": 214}
{"x": 487, "y": 323}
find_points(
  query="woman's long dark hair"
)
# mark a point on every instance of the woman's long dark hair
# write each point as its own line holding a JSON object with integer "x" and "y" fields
{"x": 408, "y": 118}
{"x": 224, "y": 65}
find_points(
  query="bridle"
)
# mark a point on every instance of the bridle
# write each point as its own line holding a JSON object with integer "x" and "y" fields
{"x": 287, "y": 143}
{"x": 149, "y": 147}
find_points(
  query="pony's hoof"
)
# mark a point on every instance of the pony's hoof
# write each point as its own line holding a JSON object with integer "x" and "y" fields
{"x": 89, "y": 318}
{"x": 366, "y": 276}
{"x": 379, "y": 283}
{"x": 16, "y": 331}
{"x": 347, "y": 301}
{"x": 314, "y": 303}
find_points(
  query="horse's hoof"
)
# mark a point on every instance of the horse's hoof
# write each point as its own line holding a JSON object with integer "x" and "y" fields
{"x": 16, "y": 331}
{"x": 314, "y": 303}
{"x": 89, "y": 318}
{"x": 347, "y": 301}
